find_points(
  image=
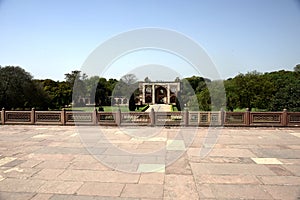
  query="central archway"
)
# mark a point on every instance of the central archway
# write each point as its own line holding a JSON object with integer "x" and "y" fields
{"x": 160, "y": 95}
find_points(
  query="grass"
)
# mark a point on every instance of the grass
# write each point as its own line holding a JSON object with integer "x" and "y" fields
{"x": 106, "y": 109}
{"x": 252, "y": 110}
{"x": 174, "y": 108}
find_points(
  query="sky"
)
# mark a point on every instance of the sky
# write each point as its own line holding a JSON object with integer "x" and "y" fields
{"x": 51, "y": 38}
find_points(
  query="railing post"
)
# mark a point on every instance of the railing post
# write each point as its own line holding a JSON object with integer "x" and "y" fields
{"x": 118, "y": 117}
{"x": 32, "y": 116}
{"x": 222, "y": 117}
{"x": 63, "y": 116}
{"x": 186, "y": 117}
{"x": 3, "y": 116}
{"x": 152, "y": 117}
{"x": 95, "y": 119}
{"x": 247, "y": 117}
{"x": 284, "y": 118}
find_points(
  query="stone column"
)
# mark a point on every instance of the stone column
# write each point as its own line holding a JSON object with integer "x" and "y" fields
{"x": 143, "y": 93}
{"x": 3, "y": 116}
{"x": 153, "y": 94}
{"x": 168, "y": 94}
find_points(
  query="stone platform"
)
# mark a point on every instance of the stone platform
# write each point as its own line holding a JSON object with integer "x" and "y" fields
{"x": 52, "y": 162}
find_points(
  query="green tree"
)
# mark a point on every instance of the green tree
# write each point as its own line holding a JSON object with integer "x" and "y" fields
{"x": 132, "y": 105}
{"x": 76, "y": 81}
{"x": 297, "y": 68}
{"x": 286, "y": 90}
{"x": 18, "y": 90}
{"x": 204, "y": 100}
{"x": 60, "y": 93}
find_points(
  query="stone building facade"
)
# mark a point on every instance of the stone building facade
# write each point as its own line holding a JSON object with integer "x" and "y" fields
{"x": 159, "y": 92}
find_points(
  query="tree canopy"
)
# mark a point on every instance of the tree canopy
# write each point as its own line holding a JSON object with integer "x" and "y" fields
{"x": 273, "y": 91}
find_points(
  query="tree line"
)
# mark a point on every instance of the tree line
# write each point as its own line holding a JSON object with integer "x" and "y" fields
{"x": 272, "y": 91}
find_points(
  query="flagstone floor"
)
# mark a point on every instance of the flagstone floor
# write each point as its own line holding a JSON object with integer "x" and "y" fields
{"x": 93, "y": 163}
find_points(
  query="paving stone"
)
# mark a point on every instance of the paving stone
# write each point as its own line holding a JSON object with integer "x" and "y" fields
{"x": 101, "y": 189}
{"x": 295, "y": 169}
{"x": 267, "y": 161}
{"x": 177, "y": 145}
{"x": 240, "y": 191}
{"x": 277, "y": 153}
{"x": 87, "y": 197}
{"x": 117, "y": 159}
{"x": 151, "y": 168}
{"x": 280, "y": 180}
{"x": 16, "y": 195}
{"x": 100, "y": 176}
{"x": 30, "y": 163}
{"x": 21, "y": 173}
{"x": 60, "y": 187}
{"x": 185, "y": 190}
{"x": 53, "y": 164}
{"x": 225, "y": 152}
{"x": 62, "y": 150}
{"x": 205, "y": 191}
{"x": 230, "y": 169}
{"x": 180, "y": 166}
{"x": 20, "y": 185}
{"x": 279, "y": 170}
{"x": 143, "y": 191}
{"x": 29, "y": 166}
{"x": 87, "y": 165}
{"x": 152, "y": 178}
{"x": 48, "y": 174}
{"x": 227, "y": 179}
{"x": 6, "y": 160}
{"x": 13, "y": 163}
{"x": 62, "y": 157}
{"x": 283, "y": 192}
{"x": 42, "y": 196}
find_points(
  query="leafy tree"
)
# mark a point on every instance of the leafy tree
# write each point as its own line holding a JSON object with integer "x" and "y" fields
{"x": 126, "y": 86}
{"x": 60, "y": 93}
{"x": 204, "y": 100}
{"x": 76, "y": 81}
{"x": 18, "y": 90}
{"x": 232, "y": 96}
{"x": 102, "y": 92}
{"x": 132, "y": 105}
{"x": 287, "y": 90}
{"x": 297, "y": 68}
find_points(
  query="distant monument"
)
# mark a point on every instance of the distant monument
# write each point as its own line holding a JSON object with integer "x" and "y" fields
{"x": 158, "y": 92}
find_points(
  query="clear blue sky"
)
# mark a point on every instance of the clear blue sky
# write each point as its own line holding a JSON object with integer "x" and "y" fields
{"x": 52, "y": 37}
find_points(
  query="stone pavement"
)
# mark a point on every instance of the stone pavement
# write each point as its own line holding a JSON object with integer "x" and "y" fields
{"x": 159, "y": 108}
{"x": 51, "y": 162}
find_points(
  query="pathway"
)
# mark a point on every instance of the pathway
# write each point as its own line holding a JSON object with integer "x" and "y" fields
{"x": 159, "y": 108}
{"x": 51, "y": 163}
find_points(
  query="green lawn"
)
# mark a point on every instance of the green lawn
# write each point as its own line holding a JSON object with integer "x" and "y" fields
{"x": 106, "y": 109}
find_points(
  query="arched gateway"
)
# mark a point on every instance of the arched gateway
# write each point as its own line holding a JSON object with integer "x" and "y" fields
{"x": 159, "y": 92}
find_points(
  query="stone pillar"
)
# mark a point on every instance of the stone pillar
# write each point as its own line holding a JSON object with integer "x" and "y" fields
{"x": 95, "y": 119}
{"x": 168, "y": 94}
{"x": 143, "y": 93}
{"x": 63, "y": 116}
{"x": 32, "y": 116}
{"x": 152, "y": 117}
{"x": 222, "y": 117}
{"x": 247, "y": 117}
{"x": 153, "y": 94}
{"x": 118, "y": 117}
{"x": 3, "y": 116}
{"x": 284, "y": 119}
{"x": 186, "y": 117}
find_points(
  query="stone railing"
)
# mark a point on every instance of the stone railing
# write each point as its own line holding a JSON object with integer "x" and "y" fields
{"x": 184, "y": 118}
